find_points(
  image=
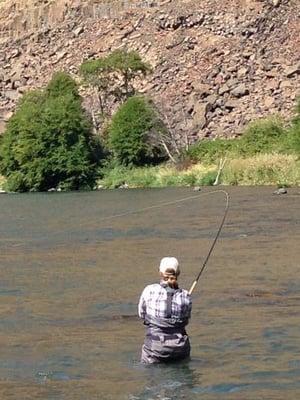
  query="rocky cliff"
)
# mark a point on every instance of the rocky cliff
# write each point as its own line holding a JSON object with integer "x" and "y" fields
{"x": 216, "y": 65}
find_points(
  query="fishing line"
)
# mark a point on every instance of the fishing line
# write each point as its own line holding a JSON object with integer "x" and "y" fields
{"x": 180, "y": 201}
{"x": 168, "y": 203}
{"x": 213, "y": 244}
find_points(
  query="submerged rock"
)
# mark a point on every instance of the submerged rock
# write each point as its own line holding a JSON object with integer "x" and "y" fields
{"x": 280, "y": 191}
{"x": 197, "y": 189}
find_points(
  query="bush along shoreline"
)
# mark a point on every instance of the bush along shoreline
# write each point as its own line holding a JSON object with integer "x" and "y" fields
{"x": 249, "y": 160}
{"x": 264, "y": 169}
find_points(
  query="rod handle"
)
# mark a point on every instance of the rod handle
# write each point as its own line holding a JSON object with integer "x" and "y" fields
{"x": 193, "y": 287}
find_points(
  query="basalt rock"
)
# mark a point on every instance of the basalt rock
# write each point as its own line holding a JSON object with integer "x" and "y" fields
{"x": 220, "y": 65}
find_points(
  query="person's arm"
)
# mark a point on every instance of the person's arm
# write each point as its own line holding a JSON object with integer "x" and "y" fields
{"x": 142, "y": 306}
{"x": 189, "y": 306}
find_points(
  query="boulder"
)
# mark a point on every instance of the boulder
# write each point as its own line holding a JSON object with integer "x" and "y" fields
{"x": 78, "y": 30}
{"x": 199, "y": 117}
{"x": 223, "y": 89}
{"x": 293, "y": 70}
{"x": 202, "y": 89}
{"x": 211, "y": 101}
{"x": 231, "y": 104}
{"x": 272, "y": 85}
{"x": 269, "y": 102}
{"x": 12, "y": 94}
{"x": 240, "y": 90}
{"x": 242, "y": 72}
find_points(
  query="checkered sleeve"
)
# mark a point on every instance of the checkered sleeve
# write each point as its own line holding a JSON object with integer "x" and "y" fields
{"x": 142, "y": 305}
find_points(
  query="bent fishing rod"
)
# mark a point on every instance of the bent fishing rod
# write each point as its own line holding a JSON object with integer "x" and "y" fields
{"x": 213, "y": 243}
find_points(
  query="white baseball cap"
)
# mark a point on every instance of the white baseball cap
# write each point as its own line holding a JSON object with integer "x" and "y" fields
{"x": 169, "y": 263}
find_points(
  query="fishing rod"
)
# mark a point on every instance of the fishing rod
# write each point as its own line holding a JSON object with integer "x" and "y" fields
{"x": 214, "y": 242}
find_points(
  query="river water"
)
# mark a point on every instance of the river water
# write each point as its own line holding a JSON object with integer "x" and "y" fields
{"x": 70, "y": 279}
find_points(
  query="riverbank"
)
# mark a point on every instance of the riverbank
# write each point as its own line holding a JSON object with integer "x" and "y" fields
{"x": 263, "y": 169}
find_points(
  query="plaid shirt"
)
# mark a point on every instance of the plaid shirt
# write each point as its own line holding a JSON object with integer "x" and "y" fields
{"x": 153, "y": 302}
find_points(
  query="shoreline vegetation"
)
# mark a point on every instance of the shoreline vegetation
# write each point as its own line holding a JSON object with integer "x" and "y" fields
{"x": 264, "y": 169}
{"x": 281, "y": 170}
{"x": 52, "y": 143}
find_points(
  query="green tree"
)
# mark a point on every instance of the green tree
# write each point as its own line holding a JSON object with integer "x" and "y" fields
{"x": 129, "y": 65}
{"x": 135, "y": 132}
{"x": 96, "y": 74}
{"x": 112, "y": 77}
{"x": 48, "y": 141}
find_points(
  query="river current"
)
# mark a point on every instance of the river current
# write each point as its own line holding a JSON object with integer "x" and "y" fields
{"x": 70, "y": 280}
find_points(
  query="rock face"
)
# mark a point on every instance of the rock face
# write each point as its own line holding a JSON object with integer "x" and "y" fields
{"x": 216, "y": 66}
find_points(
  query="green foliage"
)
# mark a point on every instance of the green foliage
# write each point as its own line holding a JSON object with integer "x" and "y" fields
{"x": 210, "y": 151}
{"x": 262, "y": 136}
{"x": 296, "y": 120}
{"x": 209, "y": 178}
{"x": 292, "y": 142}
{"x": 134, "y": 133}
{"x": 62, "y": 84}
{"x": 128, "y": 65}
{"x": 93, "y": 67}
{"x": 95, "y": 73}
{"x": 48, "y": 141}
{"x": 114, "y": 74}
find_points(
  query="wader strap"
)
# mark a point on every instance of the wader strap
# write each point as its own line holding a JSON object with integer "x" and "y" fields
{"x": 169, "y": 303}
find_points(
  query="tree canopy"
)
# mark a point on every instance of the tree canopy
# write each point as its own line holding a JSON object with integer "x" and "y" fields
{"x": 48, "y": 141}
{"x": 134, "y": 135}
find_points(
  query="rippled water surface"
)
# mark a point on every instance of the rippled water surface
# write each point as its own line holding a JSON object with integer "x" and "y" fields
{"x": 70, "y": 280}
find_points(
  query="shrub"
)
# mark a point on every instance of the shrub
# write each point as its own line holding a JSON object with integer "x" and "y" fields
{"x": 292, "y": 142}
{"x": 262, "y": 136}
{"x": 134, "y": 133}
{"x": 48, "y": 141}
{"x": 210, "y": 151}
{"x": 209, "y": 178}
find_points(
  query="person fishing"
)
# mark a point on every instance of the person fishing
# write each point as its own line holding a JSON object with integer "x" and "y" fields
{"x": 165, "y": 309}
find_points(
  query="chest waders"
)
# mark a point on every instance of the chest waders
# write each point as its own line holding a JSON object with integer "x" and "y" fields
{"x": 166, "y": 339}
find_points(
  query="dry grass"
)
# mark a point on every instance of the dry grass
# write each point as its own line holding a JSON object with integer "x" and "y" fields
{"x": 2, "y": 181}
{"x": 264, "y": 169}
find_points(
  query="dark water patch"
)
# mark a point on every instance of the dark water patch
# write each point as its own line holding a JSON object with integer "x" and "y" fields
{"x": 10, "y": 292}
{"x": 227, "y": 388}
{"x": 223, "y": 388}
{"x": 275, "y": 333}
{"x": 276, "y": 375}
{"x": 116, "y": 308}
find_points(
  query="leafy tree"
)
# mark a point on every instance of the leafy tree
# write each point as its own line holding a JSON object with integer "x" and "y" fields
{"x": 96, "y": 74}
{"x": 129, "y": 65}
{"x": 48, "y": 141}
{"x": 134, "y": 135}
{"x": 112, "y": 78}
